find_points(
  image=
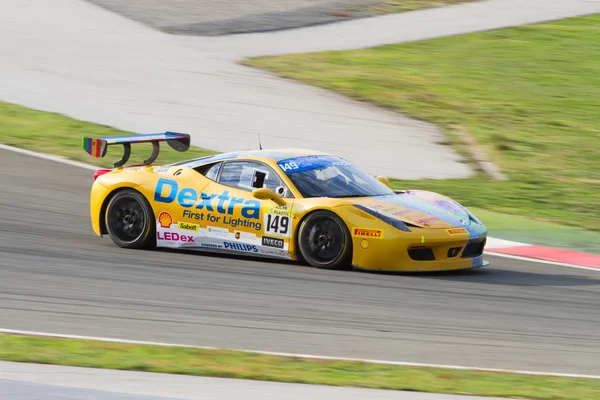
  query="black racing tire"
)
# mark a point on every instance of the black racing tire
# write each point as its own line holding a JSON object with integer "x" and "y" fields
{"x": 324, "y": 241}
{"x": 130, "y": 220}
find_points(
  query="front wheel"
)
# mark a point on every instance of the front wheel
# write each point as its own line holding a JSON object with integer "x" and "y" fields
{"x": 130, "y": 220}
{"x": 324, "y": 241}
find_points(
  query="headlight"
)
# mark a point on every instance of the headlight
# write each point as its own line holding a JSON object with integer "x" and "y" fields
{"x": 473, "y": 217}
{"x": 388, "y": 220}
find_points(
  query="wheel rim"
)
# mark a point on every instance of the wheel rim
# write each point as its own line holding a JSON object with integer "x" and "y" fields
{"x": 127, "y": 219}
{"x": 324, "y": 240}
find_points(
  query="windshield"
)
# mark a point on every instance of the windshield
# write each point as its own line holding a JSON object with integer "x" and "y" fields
{"x": 327, "y": 176}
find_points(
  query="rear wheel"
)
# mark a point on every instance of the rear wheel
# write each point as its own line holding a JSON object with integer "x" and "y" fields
{"x": 324, "y": 241}
{"x": 130, "y": 220}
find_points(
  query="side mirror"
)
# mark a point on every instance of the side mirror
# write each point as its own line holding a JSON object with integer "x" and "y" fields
{"x": 384, "y": 180}
{"x": 268, "y": 194}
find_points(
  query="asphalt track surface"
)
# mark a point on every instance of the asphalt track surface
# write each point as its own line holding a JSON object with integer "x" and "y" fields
{"x": 57, "y": 276}
{"x": 212, "y": 18}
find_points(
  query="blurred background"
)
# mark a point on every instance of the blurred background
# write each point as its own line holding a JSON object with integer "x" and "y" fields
{"x": 494, "y": 103}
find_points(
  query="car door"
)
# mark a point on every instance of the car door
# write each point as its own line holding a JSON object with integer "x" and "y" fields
{"x": 178, "y": 204}
{"x": 243, "y": 223}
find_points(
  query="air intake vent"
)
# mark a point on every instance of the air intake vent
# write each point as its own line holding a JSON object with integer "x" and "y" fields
{"x": 453, "y": 252}
{"x": 421, "y": 254}
{"x": 473, "y": 250}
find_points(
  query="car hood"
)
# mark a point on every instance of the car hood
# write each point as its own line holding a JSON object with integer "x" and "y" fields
{"x": 420, "y": 208}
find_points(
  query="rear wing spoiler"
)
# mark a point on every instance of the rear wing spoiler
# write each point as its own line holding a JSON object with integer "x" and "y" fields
{"x": 96, "y": 147}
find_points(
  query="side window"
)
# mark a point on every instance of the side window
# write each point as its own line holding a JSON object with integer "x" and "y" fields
{"x": 211, "y": 171}
{"x": 246, "y": 175}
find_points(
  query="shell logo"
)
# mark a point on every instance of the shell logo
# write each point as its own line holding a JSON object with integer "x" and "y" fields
{"x": 364, "y": 244}
{"x": 165, "y": 219}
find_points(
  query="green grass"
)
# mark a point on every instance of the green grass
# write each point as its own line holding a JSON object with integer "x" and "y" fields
{"x": 237, "y": 364}
{"x": 530, "y": 96}
{"x": 56, "y": 134}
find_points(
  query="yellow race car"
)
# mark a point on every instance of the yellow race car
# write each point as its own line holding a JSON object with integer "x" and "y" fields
{"x": 289, "y": 204}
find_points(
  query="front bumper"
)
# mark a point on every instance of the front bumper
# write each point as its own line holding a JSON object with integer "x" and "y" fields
{"x": 419, "y": 251}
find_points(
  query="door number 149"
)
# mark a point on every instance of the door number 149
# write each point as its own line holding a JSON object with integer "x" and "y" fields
{"x": 278, "y": 224}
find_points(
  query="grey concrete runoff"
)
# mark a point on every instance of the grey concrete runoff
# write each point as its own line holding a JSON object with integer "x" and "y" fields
{"x": 75, "y": 58}
{"x": 57, "y": 276}
{"x": 24, "y": 390}
{"x": 34, "y": 381}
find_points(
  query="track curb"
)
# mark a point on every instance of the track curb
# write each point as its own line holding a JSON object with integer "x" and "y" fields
{"x": 549, "y": 255}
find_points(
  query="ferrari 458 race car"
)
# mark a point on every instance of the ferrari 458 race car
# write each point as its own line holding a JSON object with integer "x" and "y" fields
{"x": 289, "y": 203}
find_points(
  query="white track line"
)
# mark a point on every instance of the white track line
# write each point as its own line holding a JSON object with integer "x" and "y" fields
{"x": 500, "y": 241}
{"x": 307, "y": 356}
{"x": 49, "y": 157}
{"x": 494, "y": 243}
